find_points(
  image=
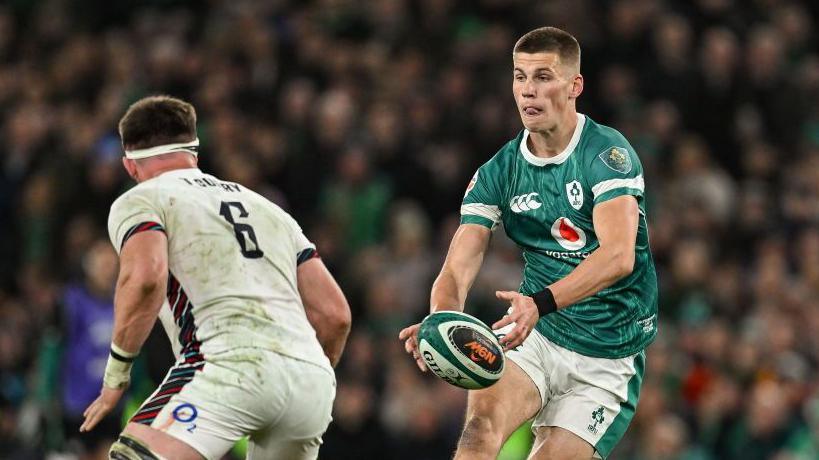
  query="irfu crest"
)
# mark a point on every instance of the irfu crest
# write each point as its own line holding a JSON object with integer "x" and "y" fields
{"x": 597, "y": 418}
{"x": 574, "y": 192}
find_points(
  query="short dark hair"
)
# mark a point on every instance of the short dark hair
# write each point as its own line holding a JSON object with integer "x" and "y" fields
{"x": 157, "y": 120}
{"x": 550, "y": 40}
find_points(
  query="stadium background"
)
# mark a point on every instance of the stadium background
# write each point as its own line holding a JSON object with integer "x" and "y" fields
{"x": 366, "y": 121}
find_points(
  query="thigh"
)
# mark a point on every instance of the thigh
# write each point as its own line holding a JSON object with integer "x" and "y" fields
{"x": 297, "y": 433}
{"x": 507, "y": 404}
{"x": 208, "y": 406}
{"x": 555, "y": 443}
{"x": 161, "y": 443}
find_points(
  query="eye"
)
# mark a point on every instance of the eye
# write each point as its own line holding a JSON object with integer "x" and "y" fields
{"x": 544, "y": 77}
{"x": 520, "y": 78}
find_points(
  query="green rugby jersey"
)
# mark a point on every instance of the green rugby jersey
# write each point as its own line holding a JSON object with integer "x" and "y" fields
{"x": 545, "y": 205}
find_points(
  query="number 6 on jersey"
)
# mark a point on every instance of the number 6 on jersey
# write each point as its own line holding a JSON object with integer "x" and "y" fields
{"x": 239, "y": 229}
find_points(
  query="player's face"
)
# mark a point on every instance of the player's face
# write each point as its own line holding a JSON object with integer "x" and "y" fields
{"x": 544, "y": 89}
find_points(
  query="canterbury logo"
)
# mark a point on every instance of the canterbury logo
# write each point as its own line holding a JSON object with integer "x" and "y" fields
{"x": 525, "y": 202}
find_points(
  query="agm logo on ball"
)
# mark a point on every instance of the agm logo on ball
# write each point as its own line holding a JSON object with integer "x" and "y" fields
{"x": 568, "y": 234}
{"x": 476, "y": 348}
{"x": 525, "y": 202}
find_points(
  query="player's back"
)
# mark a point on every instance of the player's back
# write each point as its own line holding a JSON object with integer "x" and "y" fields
{"x": 232, "y": 257}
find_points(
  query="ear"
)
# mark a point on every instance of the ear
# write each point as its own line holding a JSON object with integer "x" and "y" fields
{"x": 577, "y": 86}
{"x": 130, "y": 167}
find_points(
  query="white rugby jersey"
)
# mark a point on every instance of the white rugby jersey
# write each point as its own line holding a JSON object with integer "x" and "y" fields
{"x": 232, "y": 258}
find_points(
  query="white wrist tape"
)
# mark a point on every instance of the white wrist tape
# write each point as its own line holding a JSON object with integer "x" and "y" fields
{"x": 118, "y": 369}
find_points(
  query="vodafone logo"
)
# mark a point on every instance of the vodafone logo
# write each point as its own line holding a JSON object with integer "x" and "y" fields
{"x": 525, "y": 202}
{"x": 568, "y": 234}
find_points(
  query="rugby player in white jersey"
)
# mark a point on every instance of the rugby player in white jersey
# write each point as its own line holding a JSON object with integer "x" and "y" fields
{"x": 256, "y": 320}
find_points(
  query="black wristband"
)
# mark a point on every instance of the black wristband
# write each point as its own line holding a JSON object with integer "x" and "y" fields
{"x": 119, "y": 357}
{"x": 545, "y": 302}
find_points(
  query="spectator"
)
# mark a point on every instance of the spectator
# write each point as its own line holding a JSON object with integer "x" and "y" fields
{"x": 88, "y": 318}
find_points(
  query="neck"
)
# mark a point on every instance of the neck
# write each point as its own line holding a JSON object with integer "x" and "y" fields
{"x": 165, "y": 169}
{"x": 154, "y": 166}
{"x": 551, "y": 142}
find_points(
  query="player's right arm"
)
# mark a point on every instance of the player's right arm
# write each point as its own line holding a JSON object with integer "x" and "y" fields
{"x": 463, "y": 261}
{"x": 326, "y": 307}
{"x": 480, "y": 214}
{"x": 136, "y": 230}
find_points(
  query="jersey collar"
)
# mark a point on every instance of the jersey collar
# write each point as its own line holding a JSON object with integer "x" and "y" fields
{"x": 559, "y": 158}
{"x": 179, "y": 172}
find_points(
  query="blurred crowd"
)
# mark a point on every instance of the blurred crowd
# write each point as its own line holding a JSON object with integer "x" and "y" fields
{"x": 365, "y": 120}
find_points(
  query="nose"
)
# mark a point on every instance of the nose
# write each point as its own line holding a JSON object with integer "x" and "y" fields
{"x": 528, "y": 89}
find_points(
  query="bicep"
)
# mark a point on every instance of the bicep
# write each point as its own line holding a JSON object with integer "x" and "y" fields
{"x": 467, "y": 249}
{"x": 319, "y": 292}
{"x": 144, "y": 257}
{"x": 616, "y": 221}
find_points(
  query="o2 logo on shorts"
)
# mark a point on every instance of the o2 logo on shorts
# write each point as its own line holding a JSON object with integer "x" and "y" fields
{"x": 186, "y": 413}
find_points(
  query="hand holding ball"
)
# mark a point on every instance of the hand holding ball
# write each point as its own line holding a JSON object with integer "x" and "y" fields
{"x": 461, "y": 350}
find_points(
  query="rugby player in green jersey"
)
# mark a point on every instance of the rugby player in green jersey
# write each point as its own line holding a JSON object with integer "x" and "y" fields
{"x": 570, "y": 193}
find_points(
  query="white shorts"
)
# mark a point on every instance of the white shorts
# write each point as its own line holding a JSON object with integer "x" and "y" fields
{"x": 594, "y": 398}
{"x": 283, "y": 404}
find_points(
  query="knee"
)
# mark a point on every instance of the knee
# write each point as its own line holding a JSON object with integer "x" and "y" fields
{"x": 557, "y": 444}
{"x": 128, "y": 448}
{"x": 481, "y": 433}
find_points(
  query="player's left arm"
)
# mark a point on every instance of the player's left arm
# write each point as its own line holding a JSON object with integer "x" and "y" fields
{"x": 615, "y": 223}
{"x": 141, "y": 286}
{"x": 326, "y": 307}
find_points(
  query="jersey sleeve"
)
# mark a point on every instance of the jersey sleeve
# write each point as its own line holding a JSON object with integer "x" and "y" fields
{"x": 134, "y": 212}
{"x": 482, "y": 201}
{"x": 615, "y": 170}
{"x": 304, "y": 248}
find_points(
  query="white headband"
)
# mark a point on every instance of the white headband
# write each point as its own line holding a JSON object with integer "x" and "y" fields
{"x": 191, "y": 147}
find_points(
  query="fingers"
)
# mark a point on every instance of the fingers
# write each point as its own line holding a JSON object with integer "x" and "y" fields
{"x": 421, "y": 364}
{"x": 505, "y": 321}
{"x": 95, "y": 412}
{"x": 506, "y": 295}
{"x": 410, "y": 337}
{"x": 412, "y": 348}
{"x": 409, "y": 331}
{"x": 409, "y": 346}
{"x": 515, "y": 337}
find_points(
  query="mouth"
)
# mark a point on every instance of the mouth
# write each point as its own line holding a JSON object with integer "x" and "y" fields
{"x": 531, "y": 111}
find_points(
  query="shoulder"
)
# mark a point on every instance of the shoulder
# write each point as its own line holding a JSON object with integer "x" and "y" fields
{"x": 604, "y": 145}
{"x": 137, "y": 196}
{"x": 491, "y": 175}
{"x": 598, "y": 138}
{"x": 138, "y": 205}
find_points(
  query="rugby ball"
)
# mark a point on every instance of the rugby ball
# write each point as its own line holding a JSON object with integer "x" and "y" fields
{"x": 460, "y": 349}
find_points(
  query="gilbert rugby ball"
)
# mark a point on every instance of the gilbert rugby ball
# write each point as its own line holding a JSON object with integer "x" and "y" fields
{"x": 461, "y": 349}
